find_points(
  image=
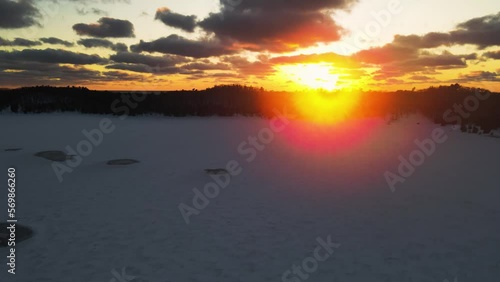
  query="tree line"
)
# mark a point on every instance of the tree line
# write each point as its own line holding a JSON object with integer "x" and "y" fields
{"x": 453, "y": 104}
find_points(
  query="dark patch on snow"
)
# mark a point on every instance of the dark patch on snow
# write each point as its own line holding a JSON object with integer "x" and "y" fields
{"x": 122, "y": 162}
{"x": 56, "y": 156}
{"x": 22, "y": 233}
{"x": 13, "y": 149}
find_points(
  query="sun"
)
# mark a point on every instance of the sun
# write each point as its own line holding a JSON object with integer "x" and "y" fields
{"x": 312, "y": 76}
{"x": 323, "y": 107}
{"x": 321, "y": 100}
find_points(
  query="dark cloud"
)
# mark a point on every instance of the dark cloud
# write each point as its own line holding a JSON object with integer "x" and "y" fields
{"x": 480, "y": 76}
{"x": 407, "y": 54}
{"x": 178, "y": 45}
{"x": 50, "y": 56}
{"x": 120, "y": 47}
{"x": 430, "y": 40}
{"x": 18, "y": 14}
{"x": 424, "y": 62}
{"x": 259, "y": 68}
{"x": 147, "y": 64}
{"x": 446, "y": 60}
{"x": 49, "y": 74}
{"x": 186, "y": 23}
{"x": 388, "y": 53}
{"x": 277, "y": 26}
{"x": 141, "y": 68}
{"x": 152, "y": 61}
{"x": 292, "y": 5}
{"x": 102, "y": 43}
{"x": 492, "y": 55}
{"x": 95, "y": 42}
{"x": 207, "y": 65}
{"x": 482, "y": 32}
{"x": 53, "y": 75}
{"x": 106, "y": 27}
{"x": 56, "y": 41}
{"x": 19, "y": 42}
{"x": 102, "y": 1}
{"x": 421, "y": 78}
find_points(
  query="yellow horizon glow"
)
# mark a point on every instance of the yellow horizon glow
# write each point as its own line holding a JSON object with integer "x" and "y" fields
{"x": 311, "y": 76}
{"x": 325, "y": 107}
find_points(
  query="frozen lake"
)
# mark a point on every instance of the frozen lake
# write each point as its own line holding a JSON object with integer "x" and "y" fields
{"x": 290, "y": 188}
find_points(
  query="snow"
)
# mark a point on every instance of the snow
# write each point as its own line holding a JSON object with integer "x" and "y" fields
{"x": 310, "y": 182}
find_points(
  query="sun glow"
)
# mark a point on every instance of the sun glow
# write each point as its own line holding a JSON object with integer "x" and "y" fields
{"x": 313, "y": 76}
{"x": 325, "y": 107}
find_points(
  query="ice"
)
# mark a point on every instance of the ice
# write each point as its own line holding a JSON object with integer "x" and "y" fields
{"x": 309, "y": 182}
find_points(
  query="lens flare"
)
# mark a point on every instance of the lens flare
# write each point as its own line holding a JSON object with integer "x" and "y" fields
{"x": 312, "y": 76}
{"x": 325, "y": 107}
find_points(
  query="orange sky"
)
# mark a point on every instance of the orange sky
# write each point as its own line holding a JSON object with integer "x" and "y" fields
{"x": 328, "y": 44}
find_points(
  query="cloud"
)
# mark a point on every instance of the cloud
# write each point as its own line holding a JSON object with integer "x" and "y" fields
{"x": 88, "y": 2}
{"x": 50, "y": 74}
{"x": 56, "y": 41}
{"x": 207, "y": 65}
{"x": 50, "y": 56}
{"x": 430, "y": 40}
{"x": 166, "y": 64}
{"x": 420, "y": 78}
{"x": 407, "y": 53}
{"x": 102, "y": 43}
{"x": 492, "y": 55}
{"x": 18, "y": 14}
{"x": 331, "y": 58}
{"x": 95, "y": 42}
{"x": 276, "y": 26}
{"x": 169, "y": 18}
{"x": 424, "y": 62}
{"x": 259, "y": 68}
{"x": 410, "y": 53}
{"x": 152, "y": 61}
{"x": 120, "y": 47}
{"x": 19, "y": 42}
{"x": 106, "y": 27}
{"x": 83, "y": 11}
{"x": 480, "y": 76}
{"x": 446, "y": 60}
{"x": 482, "y": 32}
{"x": 388, "y": 53}
{"x": 140, "y": 68}
{"x": 178, "y": 45}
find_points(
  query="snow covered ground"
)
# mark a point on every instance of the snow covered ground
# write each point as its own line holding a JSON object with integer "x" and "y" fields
{"x": 308, "y": 182}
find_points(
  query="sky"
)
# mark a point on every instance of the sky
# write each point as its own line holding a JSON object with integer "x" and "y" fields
{"x": 289, "y": 45}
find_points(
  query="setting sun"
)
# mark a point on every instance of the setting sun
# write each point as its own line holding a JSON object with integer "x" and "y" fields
{"x": 314, "y": 76}
{"x": 325, "y": 107}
